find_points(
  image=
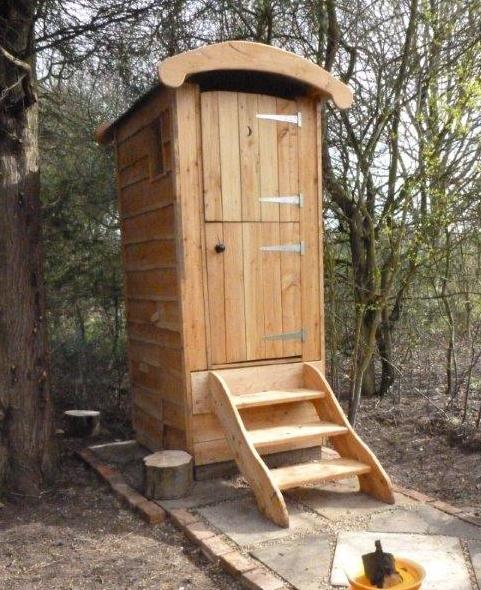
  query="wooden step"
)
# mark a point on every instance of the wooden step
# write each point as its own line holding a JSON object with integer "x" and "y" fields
{"x": 294, "y": 476}
{"x": 276, "y": 438}
{"x": 268, "y": 398}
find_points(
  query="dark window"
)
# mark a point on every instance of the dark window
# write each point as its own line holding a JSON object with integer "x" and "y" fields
{"x": 161, "y": 150}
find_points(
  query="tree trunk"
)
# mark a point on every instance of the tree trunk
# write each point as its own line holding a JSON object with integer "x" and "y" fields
{"x": 369, "y": 380}
{"x": 384, "y": 346}
{"x": 367, "y": 321}
{"x": 26, "y": 422}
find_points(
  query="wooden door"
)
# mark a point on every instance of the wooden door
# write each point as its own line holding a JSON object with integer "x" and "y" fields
{"x": 255, "y": 234}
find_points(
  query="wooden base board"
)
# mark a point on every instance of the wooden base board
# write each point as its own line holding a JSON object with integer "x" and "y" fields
{"x": 229, "y": 468}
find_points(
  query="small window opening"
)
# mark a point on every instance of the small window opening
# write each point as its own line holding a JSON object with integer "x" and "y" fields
{"x": 160, "y": 154}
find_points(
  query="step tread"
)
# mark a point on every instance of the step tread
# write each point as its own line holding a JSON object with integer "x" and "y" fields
{"x": 273, "y": 436}
{"x": 267, "y": 398}
{"x": 293, "y": 476}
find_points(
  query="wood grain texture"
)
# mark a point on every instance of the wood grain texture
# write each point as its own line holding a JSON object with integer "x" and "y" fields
{"x": 211, "y": 156}
{"x": 254, "y": 292}
{"x": 268, "y": 496}
{"x": 152, "y": 225}
{"x": 215, "y": 451}
{"x": 245, "y": 55}
{"x": 189, "y": 190}
{"x": 235, "y": 340}
{"x": 148, "y": 227}
{"x": 320, "y": 202}
{"x": 294, "y": 476}
{"x": 152, "y": 284}
{"x": 206, "y": 426}
{"x": 229, "y": 156}
{"x": 310, "y": 228}
{"x": 271, "y": 284}
{"x": 269, "y": 179}
{"x": 154, "y": 254}
{"x": 287, "y": 157}
{"x": 249, "y": 156}
{"x": 291, "y": 289}
{"x": 147, "y": 195}
{"x": 246, "y": 380}
{"x": 214, "y": 234}
{"x": 376, "y": 483}
{"x": 188, "y": 307}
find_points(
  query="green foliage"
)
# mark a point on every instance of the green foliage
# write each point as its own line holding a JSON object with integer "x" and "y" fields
{"x": 401, "y": 169}
{"x": 82, "y": 246}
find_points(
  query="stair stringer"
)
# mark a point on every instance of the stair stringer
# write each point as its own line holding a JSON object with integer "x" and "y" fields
{"x": 269, "y": 497}
{"x": 376, "y": 483}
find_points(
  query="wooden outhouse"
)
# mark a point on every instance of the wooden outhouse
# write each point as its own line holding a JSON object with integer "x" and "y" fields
{"x": 219, "y": 181}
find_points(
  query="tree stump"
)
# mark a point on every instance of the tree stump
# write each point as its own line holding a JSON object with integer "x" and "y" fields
{"x": 168, "y": 475}
{"x": 82, "y": 423}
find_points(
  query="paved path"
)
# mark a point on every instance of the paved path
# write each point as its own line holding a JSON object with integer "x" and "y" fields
{"x": 331, "y": 526}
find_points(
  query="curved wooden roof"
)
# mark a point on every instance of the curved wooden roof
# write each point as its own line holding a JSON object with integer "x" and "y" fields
{"x": 254, "y": 57}
{"x": 247, "y": 57}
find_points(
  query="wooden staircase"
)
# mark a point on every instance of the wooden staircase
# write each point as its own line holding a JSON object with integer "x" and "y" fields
{"x": 247, "y": 444}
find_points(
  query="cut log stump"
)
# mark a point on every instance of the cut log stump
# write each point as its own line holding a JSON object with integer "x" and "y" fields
{"x": 168, "y": 475}
{"x": 82, "y": 423}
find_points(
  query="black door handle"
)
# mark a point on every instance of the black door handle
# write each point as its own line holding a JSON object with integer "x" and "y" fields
{"x": 219, "y": 247}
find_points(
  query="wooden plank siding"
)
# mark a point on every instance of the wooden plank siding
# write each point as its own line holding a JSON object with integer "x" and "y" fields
{"x": 190, "y": 240}
{"x": 188, "y": 308}
{"x": 209, "y": 442}
{"x": 149, "y": 250}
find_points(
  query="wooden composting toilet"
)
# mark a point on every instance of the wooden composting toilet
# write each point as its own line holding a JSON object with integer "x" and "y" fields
{"x": 219, "y": 181}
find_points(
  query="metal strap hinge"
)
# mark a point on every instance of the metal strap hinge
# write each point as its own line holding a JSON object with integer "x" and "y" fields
{"x": 298, "y": 247}
{"x": 299, "y": 335}
{"x": 295, "y": 119}
{"x": 287, "y": 200}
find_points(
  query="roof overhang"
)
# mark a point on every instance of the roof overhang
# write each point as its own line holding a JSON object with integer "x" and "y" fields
{"x": 254, "y": 57}
{"x": 248, "y": 57}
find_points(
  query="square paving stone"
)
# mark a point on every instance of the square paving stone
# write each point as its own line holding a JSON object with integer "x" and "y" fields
{"x": 475, "y": 555}
{"x": 245, "y": 525}
{"x": 423, "y": 519}
{"x": 441, "y": 557}
{"x": 303, "y": 562}
{"x": 206, "y": 492}
{"x": 337, "y": 504}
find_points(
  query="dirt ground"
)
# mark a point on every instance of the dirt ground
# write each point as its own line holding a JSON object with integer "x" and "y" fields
{"x": 78, "y": 537}
{"x": 418, "y": 459}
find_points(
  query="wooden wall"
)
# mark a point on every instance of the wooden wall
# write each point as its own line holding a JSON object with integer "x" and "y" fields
{"x": 146, "y": 187}
{"x": 163, "y": 241}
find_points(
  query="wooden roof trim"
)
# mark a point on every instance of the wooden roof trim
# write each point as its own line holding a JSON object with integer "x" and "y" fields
{"x": 105, "y": 132}
{"x": 245, "y": 55}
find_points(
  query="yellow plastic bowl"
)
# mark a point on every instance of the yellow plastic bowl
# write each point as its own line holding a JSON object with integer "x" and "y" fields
{"x": 412, "y": 574}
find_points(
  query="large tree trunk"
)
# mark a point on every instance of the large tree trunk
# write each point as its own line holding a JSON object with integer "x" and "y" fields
{"x": 26, "y": 422}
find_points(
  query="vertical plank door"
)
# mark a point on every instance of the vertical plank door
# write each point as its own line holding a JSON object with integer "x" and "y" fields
{"x": 255, "y": 227}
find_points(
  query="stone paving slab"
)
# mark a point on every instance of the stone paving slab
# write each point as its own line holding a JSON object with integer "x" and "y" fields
{"x": 245, "y": 525}
{"x": 340, "y": 503}
{"x": 207, "y": 492}
{"x": 442, "y": 557}
{"x": 302, "y": 562}
{"x": 423, "y": 519}
{"x": 474, "y": 548}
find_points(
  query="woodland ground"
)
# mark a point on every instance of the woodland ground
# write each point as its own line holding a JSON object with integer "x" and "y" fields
{"x": 418, "y": 458}
{"x": 77, "y": 536}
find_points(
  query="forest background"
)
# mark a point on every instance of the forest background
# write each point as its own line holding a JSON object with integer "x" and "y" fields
{"x": 402, "y": 174}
